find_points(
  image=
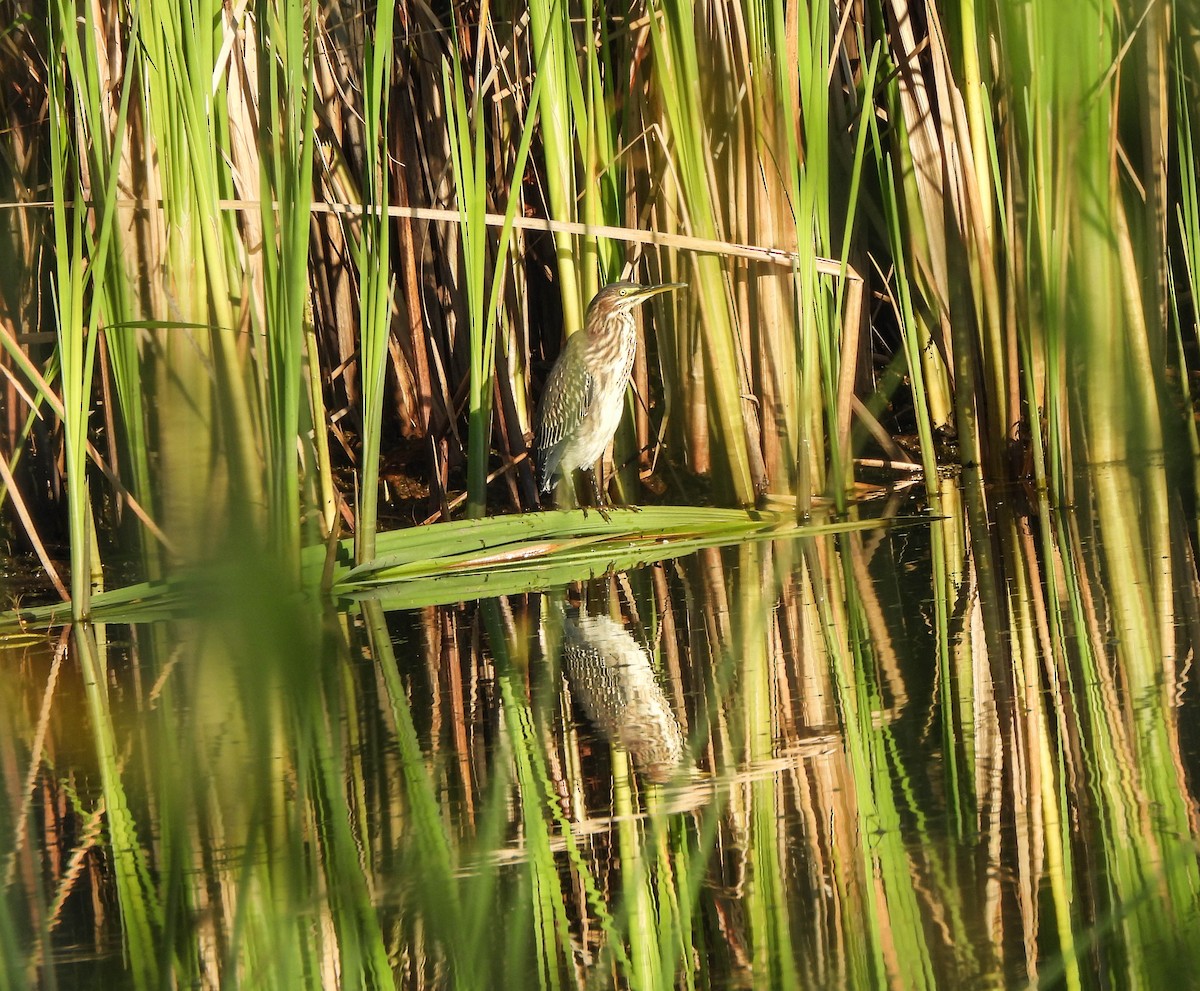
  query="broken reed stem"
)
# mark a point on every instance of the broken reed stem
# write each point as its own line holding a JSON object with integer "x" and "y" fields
{"x": 630, "y": 235}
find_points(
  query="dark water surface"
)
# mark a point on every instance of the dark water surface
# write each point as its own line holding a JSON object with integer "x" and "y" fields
{"x": 958, "y": 754}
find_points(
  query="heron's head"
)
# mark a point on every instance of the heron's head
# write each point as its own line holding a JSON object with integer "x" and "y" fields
{"x": 624, "y": 297}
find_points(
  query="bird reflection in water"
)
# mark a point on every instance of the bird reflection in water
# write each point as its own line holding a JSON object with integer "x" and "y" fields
{"x": 611, "y": 675}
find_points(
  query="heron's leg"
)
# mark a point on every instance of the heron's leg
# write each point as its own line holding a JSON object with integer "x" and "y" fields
{"x": 601, "y": 502}
{"x": 596, "y": 474}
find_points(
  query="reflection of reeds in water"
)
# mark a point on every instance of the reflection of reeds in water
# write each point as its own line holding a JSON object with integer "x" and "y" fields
{"x": 409, "y": 790}
{"x": 611, "y": 675}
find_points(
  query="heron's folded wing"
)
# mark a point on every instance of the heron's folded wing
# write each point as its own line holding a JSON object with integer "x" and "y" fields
{"x": 565, "y": 402}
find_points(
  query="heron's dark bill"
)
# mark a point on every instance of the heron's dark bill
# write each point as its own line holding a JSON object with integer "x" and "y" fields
{"x": 645, "y": 292}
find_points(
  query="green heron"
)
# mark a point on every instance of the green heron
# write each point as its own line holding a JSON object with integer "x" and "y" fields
{"x": 611, "y": 674}
{"x": 585, "y": 394}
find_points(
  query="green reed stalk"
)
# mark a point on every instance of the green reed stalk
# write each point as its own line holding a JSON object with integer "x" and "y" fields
{"x": 1095, "y": 276}
{"x": 1044, "y": 234}
{"x": 471, "y": 175}
{"x": 678, "y": 87}
{"x": 915, "y": 337}
{"x": 810, "y": 189}
{"x": 846, "y": 312}
{"x": 116, "y": 290}
{"x": 74, "y": 93}
{"x": 468, "y": 154}
{"x": 579, "y": 142}
{"x": 373, "y": 255}
{"x": 285, "y": 44}
{"x": 603, "y": 174}
{"x": 997, "y": 399}
{"x": 203, "y": 389}
{"x": 761, "y": 135}
{"x": 122, "y": 333}
{"x": 76, "y": 349}
{"x": 915, "y": 204}
{"x": 554, "y": 51}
